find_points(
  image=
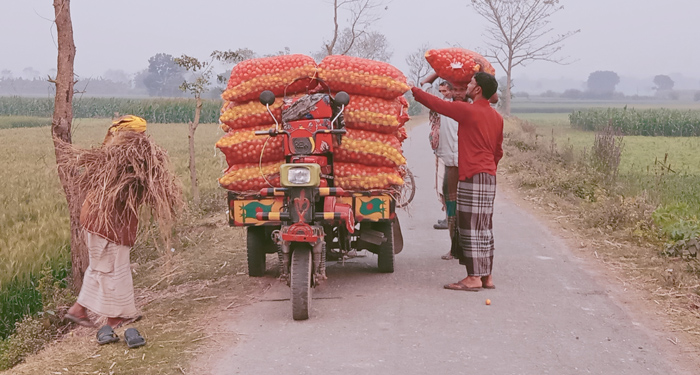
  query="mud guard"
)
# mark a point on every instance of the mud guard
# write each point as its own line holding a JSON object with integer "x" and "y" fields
{"x": 398, "y": 236}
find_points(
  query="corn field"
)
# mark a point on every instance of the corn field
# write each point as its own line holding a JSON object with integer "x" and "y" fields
{"x": 647, "y": 122}
{"x": 162, "y": 110}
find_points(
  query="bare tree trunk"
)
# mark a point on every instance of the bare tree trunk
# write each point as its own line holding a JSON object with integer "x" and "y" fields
{"x": 193, "y": 169}
{"x": 331, "y": 45}
{"x": 61, "y": 130}
{"x": 506, "y": 100}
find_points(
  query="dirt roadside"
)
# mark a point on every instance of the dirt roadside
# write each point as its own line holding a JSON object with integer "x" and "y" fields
{"x": 668, "y": 321}
{"x": 205, "y": 283}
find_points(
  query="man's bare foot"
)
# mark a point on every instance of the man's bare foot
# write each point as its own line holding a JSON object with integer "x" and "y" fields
{"x": 471, "y": 281}
{"x": 115, "y": 322}
{"x": 77, "y": 311}
{"x": 487, "y": 282}
{"x": 78, "y": 315}
{"x": 118, "y": 322}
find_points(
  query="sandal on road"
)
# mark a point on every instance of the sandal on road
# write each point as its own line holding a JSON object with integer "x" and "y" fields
{"x": 460, "y": 286}
{"x": 133, "y": 338}
{"x": 106, "y": 335}
{"x": 81, "y": 321}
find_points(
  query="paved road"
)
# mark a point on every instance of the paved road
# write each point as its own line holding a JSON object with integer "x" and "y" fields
{"x": 548, "y": 314}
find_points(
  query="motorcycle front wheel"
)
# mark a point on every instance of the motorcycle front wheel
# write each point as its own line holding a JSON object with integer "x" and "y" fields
{"x": 301, "y": 280}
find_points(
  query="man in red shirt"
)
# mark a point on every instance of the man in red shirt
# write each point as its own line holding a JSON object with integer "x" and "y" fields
{"x": 480, "y": 138}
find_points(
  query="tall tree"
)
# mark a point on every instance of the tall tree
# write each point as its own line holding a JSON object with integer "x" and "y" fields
{"x": 601, "y": 83}
{"x": 345, "y": 40}
{"x": 164, "y": 76}
{"x": 371, "y": 45}
{"x": 663, "y": 83}
{"x": 61, "y": 131}
{"x": 197, "y": 85}
{"x": 418, "y": 66}
{"x": 516, "y": 34}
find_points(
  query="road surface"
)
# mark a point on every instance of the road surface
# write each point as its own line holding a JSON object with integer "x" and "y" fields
{"x": 550, "y": 313}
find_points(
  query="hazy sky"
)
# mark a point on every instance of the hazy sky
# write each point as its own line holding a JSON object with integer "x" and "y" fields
{"x": 635, "y": 38}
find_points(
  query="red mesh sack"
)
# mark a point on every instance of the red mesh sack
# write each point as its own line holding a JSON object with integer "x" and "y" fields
{"x": 401, "y": 134}
{"x": 251, "y": 177}
{"x": 403, "y": 114}
{"x": 248, "y": 114}
{"x": 372, "y": 113}
{"x": 251, "y": 77}
{"x": 243, "y": 146}
{"x": 356, "y": 75}
{"x": 370, "y": 148}
{"x": 457, "y": 65}
{"x": 353, "y": 176}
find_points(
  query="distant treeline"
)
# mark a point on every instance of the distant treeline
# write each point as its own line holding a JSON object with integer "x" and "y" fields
{"x": 153, "y": 110}
{"x": 42, "y": 87}
{"x": 647, "y": 122}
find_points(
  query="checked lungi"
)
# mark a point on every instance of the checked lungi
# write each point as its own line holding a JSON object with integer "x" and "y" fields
{"x": 473, "y": 243}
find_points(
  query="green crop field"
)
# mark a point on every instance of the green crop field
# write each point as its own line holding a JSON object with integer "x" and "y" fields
{"x": 639, "y": 153}
{"x": 666, "y": 168}
{"x": 522, "y": 106}
{"x": 34, "y": 222}
{"x": 157, "y": 110}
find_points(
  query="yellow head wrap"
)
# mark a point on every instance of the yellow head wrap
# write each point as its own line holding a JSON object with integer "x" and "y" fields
{"x": 128, "y": 123}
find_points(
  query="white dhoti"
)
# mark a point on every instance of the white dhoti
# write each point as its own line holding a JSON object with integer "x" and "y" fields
{"x": 108, "y": 288}
{"x": 439, "y": 180}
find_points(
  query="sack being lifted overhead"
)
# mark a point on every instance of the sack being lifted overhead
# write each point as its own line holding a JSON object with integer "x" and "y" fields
{"x": 457, "y": 65}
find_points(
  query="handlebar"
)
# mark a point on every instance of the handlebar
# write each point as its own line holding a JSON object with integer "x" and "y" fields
{"x": 275, "y": 132}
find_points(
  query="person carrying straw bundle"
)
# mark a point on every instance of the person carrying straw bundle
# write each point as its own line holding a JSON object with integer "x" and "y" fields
{"x": 129, "y": 170}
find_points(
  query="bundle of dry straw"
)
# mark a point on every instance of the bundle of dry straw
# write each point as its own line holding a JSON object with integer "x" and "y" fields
{"x": 127, "y": 172}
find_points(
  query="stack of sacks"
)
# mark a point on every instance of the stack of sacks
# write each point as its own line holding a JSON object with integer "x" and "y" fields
{"x": 242, "y": 114}
{"x": 457, "y": 65}
{"x": 370, "y": 154}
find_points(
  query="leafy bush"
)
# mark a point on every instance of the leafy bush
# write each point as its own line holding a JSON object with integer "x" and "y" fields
{"x": 34, "y": 331}
{"x": 613, "y": 213}
{"x": 606, "y": 152}
{"x": 678, "y": 221}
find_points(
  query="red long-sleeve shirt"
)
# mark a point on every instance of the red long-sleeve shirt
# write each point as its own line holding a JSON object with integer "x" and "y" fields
{"x": 480, "y": 134}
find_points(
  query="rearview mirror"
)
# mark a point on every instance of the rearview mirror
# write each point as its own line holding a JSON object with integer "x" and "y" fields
{"x": 267, "y": 97}
{"x": 342, "y": 98}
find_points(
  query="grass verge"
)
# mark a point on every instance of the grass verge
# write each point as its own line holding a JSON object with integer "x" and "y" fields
{"x": 176, "y": 291}
{"x": 614, "y": 221}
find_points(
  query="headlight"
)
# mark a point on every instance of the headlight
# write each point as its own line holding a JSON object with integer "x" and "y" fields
{"x": 299, "y": 176}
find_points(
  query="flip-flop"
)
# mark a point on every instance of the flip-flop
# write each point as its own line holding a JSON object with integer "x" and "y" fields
{"x": 106, "y": 335}
{"x": 81, "y": 321}
{"x": 133, "y": 338}
{"x": 489, "y": 287}
{"x": 460, "y": 286}
{"x": 447, "y": 257}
